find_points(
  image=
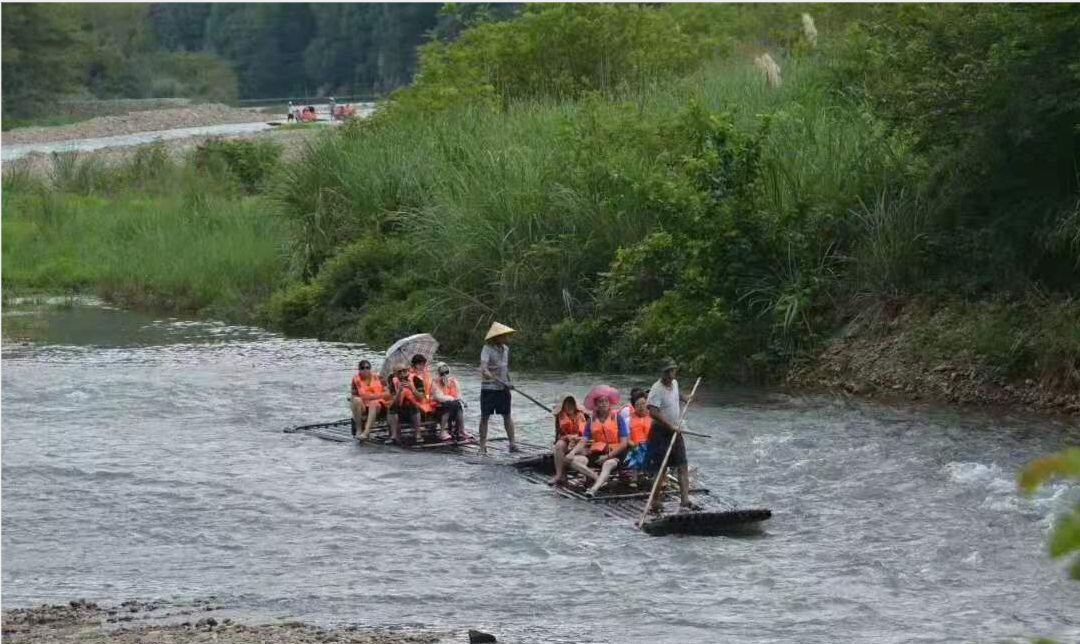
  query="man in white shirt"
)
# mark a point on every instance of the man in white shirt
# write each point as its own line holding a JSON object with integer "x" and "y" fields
{"x": 495, "y": 383}
{"x": 663, "y": 403}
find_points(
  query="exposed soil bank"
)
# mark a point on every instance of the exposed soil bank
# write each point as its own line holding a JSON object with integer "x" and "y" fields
{"x": 893, "y": 359}
{"x": 87, "y": 623}
{"x": 133, "y": 122}
{"x": 292, "y": 141}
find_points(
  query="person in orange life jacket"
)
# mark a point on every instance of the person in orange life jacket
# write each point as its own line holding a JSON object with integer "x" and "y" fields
{"x": 421, "y": 379}
{"x": 569, "y": 426}
{"x": 369, "y": 399}
{"x": 405, "y": 404}
{"x": 606, "y": 437}
{"x": 445, "y": 393}
{"x": 639, "y": 422}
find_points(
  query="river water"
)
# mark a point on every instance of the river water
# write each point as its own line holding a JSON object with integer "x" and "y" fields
{"x": 144, "y": 458}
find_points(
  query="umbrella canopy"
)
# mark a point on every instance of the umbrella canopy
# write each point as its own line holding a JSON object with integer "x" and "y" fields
{"x": 402, "y": 352}
{"x": 601, "y": 391}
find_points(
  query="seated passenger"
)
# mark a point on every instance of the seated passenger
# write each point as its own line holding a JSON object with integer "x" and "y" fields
{"x": 369, "y": 399}
{"x": 569, "y": 426}
{"x": 444, "y": 390}
{"x": 421, "y": 378}
{"x": 639, "y": 422}
{"x": 605, "y": 438}
{"x": 405, "y": 404}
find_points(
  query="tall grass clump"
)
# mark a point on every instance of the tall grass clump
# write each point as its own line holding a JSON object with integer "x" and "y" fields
{"x": 143, "y": 244}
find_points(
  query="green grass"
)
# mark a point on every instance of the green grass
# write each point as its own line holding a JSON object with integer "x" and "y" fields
{"x": 188, "y": 243}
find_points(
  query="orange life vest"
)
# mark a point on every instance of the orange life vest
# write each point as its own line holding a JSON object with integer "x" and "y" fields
{"x": 428, "y": 404}
{"x": 640, "y": 426}
{"x": 571, "y": 425}
{"x": 375, "y": 387}
{"x": 450, "y": 388}
{"x": 604, "y": 433}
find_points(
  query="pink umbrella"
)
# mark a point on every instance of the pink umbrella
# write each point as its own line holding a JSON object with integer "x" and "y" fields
{"x": 601, "y": 391}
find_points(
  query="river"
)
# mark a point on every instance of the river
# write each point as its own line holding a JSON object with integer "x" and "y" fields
{"x": 144, "y": 458}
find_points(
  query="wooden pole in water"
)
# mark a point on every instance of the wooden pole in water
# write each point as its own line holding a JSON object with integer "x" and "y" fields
{"x": 540, "y": 404}
{"x": 662, "y": 472}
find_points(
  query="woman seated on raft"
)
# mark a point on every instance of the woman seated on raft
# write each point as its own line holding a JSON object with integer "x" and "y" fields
{"x": 606, "y": 438}
{"x": 447, "y": 396}
{"x": 569, "y": 427}
{"x": 639, "y": 421}
{"x": 369, "y": 399}
{"x": 424, "y": 386}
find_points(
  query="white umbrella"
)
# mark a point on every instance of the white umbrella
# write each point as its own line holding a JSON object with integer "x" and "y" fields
{"x": 402, "y": 352}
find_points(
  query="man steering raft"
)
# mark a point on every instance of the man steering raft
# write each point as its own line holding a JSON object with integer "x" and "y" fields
{"x": 495, "y": 383}
{"x": 663, "y": 404}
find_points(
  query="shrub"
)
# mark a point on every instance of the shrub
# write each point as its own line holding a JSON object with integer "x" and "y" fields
{"x": 251, "y": 161}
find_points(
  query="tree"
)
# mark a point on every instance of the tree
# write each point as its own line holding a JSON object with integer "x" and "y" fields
{"x": 41, "y": 56}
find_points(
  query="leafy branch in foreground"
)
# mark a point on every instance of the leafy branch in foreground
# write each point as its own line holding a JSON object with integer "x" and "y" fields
{"x": 1065, "y": 538}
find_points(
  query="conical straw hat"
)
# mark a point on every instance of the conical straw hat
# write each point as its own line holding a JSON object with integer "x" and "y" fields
{"x": 497, "y": 330}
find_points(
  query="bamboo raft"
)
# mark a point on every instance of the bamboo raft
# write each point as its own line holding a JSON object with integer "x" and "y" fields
{"x": 623, "y": 497}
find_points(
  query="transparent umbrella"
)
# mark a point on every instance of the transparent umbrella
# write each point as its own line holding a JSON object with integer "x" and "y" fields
{"x": 402, "y": 352}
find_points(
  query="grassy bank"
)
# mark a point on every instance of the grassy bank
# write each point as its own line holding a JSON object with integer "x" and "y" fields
{"x": 179, "y": 236}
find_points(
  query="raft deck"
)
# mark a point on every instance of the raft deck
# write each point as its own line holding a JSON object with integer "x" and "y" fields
{"x": 623, "y": 497}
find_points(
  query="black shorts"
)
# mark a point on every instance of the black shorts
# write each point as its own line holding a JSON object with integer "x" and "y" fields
{"x": 404, "y": 409}
{"x": 494, "y": 401}
{"x": 659, "y": 439}
{"x": 453, "y": 407}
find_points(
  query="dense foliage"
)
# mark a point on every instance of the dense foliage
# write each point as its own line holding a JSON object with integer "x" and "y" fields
{"x": 645, "y": 201}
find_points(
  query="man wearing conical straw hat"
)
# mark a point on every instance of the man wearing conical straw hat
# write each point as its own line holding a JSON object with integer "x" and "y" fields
{"x": 495, "y": 382}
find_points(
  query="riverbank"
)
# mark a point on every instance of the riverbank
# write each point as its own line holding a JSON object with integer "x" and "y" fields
{"x": 1019, "y": 354}
{"x": 134, "y": 122}
{"x": 134, "y": 622}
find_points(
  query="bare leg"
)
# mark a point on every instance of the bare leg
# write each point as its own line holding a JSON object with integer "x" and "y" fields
{"x": 357, "y": 407}
{"x": 658, "y": 503}
{"x": 483, "y": 433}
{"x": 395, "y": 427}
{"x": 605, "y": 472}
{"x": 417, "y": 426}
{"x": 372, "y": 414}
{"x": 559, "y": 453}
{"x": 461, "y": 422}
{"x": 508, "y": 424}
{"x": 581, "y": 464}
{"x": 684, "y": 485}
